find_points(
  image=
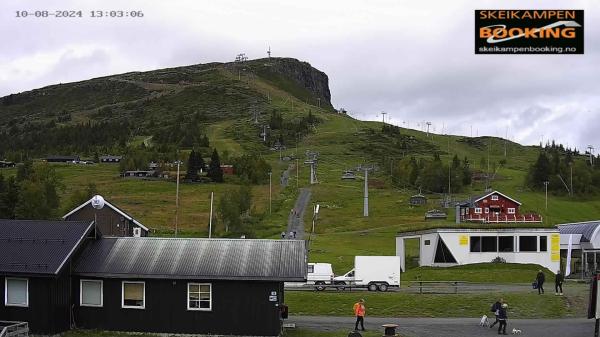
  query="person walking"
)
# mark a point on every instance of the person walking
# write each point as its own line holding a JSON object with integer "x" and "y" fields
{"x": 359, "y": 312}
{"x": 496, "y": 310}
{"x": 558, "y": 281}
{"x": 291, "y": 235}
{"x": 502, "y": 318}
{"x": 540, "y": 278}
{"x": 283, "y": 235}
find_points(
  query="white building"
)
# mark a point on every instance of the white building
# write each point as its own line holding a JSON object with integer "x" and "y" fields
{"x": 585, "y": 245}
{"x": 451, "y": 247}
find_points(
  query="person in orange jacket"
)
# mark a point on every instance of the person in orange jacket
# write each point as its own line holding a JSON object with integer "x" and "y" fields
{"x": 359, "y": 312}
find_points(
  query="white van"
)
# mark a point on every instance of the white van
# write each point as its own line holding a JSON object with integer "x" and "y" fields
{"x": 319, "y": 274}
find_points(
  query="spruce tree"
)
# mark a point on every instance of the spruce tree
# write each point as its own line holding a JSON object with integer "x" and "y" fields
{"x": 214, "y": 168}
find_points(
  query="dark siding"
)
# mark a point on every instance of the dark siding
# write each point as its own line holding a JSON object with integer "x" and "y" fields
{"x": 49, "y": 302}
{"x": 238, "y": 307}
{"x": 110, "y": 223}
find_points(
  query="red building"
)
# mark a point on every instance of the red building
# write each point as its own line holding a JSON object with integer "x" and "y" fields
{"x": 227, "y": 169}
{"x": 494, "y": 207}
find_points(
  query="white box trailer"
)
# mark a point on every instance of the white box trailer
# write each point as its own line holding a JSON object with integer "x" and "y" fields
{"x": 372, "y": 272}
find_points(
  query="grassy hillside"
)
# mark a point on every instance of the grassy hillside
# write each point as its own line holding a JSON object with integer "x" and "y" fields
{"x": 229, "y": 97}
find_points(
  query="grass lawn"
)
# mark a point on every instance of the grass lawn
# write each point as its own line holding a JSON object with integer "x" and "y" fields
{"x": 400, "y": 304}
{"x": 479, "y": 273}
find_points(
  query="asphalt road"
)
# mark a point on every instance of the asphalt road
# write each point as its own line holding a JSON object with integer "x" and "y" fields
{"x": 450, "y": 327}
{"x": 295, "y": 219}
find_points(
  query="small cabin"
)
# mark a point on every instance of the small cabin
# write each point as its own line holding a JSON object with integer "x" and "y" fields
{"x": 110, "y": 159}
{"x": 138, "y": 174}
{"x": 418, "y": 200}
{"x": 62, "y": 159}
{"x": 227, "y": 169}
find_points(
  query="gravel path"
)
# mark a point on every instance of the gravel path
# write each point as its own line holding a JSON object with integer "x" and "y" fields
{"x": 445, "y": 327}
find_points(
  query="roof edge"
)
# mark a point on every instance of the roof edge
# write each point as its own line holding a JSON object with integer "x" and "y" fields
{"x": 77, "y": 245}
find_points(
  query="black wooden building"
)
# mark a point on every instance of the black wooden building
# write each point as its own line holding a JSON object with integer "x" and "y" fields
{"x": 62, "y": 274}
{"x": 35, "y": 266}
{"x": 111, "y": 220}
{"x": 193, "y": 286}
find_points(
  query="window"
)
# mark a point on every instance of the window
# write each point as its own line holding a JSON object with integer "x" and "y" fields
{"x": 442, "y": 253}
{"x": 543, "y": 243}
{"x": 487, "y": 210}
{"x": 528, "y": 243}
{"x": 90, "y": 293}
{"x": 511, "y": 211}
{"x": 311, "y": 268}
{"x": 506, "y": 244}
{"x": 16, "y": 292}
{"x": 475, "y": 244}
{"x": 199, "y": 296}
{"x": 477, "y": 210}
{"x": 133, "y": 295}
{"x": 495, "y": 197}
{"x": 427, "y": 242}
{"x": 489, "y": 244}
{"x": 466, "y": 211}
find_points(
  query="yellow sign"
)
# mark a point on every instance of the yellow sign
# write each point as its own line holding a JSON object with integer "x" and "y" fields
{"x": 463, "y": 240}
{"x": 555, "y": 247}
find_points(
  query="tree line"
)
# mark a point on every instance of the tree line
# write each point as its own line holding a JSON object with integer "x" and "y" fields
{"x": 562, "y": 169}
{"x": 432, "y": 174}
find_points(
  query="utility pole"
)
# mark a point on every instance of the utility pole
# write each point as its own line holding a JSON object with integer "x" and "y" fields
{"x": 270, "y": 174}
{"x": 383, "y": 117}
{"x": 177, "y": 199}
{"x": 571, "y": 165}
{"x": 428, "y": 125}
{"x": 366, "y": 194}
{"x": 211, "y": 215}
{"x": 546, "y": 186}
{"x": 591, "y": 151}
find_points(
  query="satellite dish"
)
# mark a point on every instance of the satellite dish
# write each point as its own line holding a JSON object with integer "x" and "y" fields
{"x": 97, "y": 202}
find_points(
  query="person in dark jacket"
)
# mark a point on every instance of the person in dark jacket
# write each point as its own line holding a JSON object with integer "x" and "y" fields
{"x": 496, "y": 309}
{"x": 502, "y": 317}
{"x": 558, "y": 281}
{"x": 540, "y": 278}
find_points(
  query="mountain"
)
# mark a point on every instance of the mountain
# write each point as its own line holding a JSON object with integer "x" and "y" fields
{"x": 171, "y": 106}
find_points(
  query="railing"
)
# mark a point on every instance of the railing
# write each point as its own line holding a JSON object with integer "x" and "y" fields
{"x": 14, "y": 329}
{"x": 504, "y": 218}
{"x": 446, "y": 287}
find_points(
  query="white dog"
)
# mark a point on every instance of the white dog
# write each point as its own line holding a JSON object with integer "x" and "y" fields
{"x": 485, "y": 322}
{"x": 516, "y": 331}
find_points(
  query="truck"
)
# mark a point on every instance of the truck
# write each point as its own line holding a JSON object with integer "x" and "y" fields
{"x": 371, "y": 272}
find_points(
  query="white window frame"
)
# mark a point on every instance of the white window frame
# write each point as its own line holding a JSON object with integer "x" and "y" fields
{"x": 26, "y": 305}
{"x": 188, "y": 296}
{"x": 81, "y": 304}
{"x": 123, "y": 306}
{"x": 494, "y": 197}
{"x": 511, "y": 210}
{"x": 487, "y": 210}
{"x": 477, "y": 210}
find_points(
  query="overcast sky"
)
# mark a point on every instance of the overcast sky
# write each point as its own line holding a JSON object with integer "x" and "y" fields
{"x": 412, "y": 59}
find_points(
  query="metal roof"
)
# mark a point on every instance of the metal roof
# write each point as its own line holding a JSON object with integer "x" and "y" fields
{"x": 113, "y": 207}
{"x": 475, "y": 199}
{"x": 187, "y": 258}
{"x": 39, "y": 246}
{"x": 586, "y": 229}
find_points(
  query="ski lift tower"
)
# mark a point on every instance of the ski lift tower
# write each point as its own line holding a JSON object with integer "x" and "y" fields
{"x": 311, "y": 159}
